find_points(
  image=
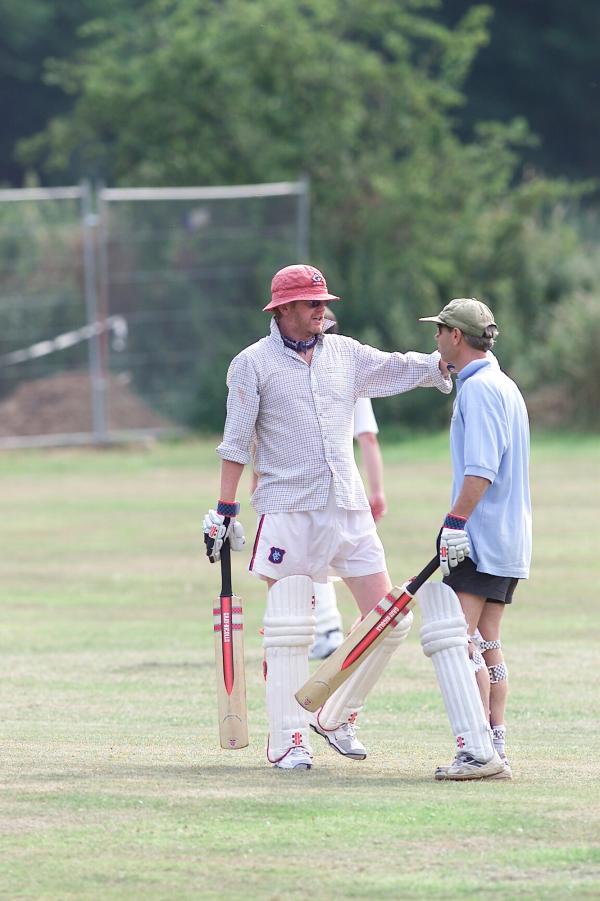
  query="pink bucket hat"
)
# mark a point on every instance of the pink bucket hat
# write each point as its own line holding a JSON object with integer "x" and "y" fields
{"x": 299, "y": 282}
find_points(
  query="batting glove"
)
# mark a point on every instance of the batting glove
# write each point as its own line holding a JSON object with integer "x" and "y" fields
{"x": 452, "y": 543}
{"x": 219, "y": 525}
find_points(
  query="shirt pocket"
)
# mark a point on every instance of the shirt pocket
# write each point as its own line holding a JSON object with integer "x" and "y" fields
{"x": 337, "y": 384}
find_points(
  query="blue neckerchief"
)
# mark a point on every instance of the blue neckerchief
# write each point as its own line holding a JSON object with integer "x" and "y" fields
{"x": 300, "y": 346}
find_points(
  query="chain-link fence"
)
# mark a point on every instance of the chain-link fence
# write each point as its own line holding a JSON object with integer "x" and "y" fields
{"x": 119, "y": 321}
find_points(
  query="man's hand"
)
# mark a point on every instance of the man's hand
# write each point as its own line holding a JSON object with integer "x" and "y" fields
{"x": 445, "y": 368}
{"x": 219, "y": 526}
{"x": 452, "y": 543}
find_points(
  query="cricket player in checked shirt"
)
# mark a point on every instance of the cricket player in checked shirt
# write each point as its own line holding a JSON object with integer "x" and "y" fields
{"x": 291, "y": 400}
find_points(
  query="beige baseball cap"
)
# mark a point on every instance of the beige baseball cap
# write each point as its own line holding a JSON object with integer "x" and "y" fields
{"x": 468, "y": 314}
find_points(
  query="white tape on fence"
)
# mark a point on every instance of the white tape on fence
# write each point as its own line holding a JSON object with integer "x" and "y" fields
{"x": 116, "y": 324}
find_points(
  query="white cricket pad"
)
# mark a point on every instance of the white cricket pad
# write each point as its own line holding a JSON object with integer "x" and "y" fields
{"x": 326, "y": 610}
{"x": 444, "y": 639}
{"x": 289, "y": 630}
{"x": 348, "y": 700}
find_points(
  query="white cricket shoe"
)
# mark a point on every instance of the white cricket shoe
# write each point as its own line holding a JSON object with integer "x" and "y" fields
{"x": 343, "y": 740}
{"x": 325, "y": 644}
{"x": 296, "y": 759}
{"x": 466, "y": 767}
{"x": 505, "y": 772}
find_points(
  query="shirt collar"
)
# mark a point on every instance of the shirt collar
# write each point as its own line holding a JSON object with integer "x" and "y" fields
{"x": 471, "y": 368}
{"x": 276, "y": 336}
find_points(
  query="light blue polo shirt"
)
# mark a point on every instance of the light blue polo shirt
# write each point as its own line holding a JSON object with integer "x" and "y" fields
{"x": 489, "y": 437}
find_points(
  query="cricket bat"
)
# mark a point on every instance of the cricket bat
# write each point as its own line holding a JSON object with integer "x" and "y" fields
{"x": 361, "y": 641}
{"x": 228, "y": 620}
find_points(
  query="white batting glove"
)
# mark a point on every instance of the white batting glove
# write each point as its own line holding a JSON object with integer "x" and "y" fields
{"x": 216, "y": 531}
{"x": 453, "y": 543}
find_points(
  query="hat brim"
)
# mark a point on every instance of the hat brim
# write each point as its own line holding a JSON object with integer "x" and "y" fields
{"x": 279, "y": 302}
{"x": 435, "y": 319}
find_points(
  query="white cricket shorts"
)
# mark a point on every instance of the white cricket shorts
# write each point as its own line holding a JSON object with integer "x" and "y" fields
{"x": 309, "y": 543}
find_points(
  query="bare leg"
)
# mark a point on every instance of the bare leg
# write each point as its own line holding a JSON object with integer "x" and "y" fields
{"x": 369, "y": 590}
{"x": 489, "y": 626}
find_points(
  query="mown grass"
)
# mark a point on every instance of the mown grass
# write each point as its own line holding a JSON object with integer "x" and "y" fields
{"x": 113, "y": 785}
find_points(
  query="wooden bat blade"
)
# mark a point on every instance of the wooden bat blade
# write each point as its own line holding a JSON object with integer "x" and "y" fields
{"x": 361, "y": 642}
{"x": 231, "y": 679}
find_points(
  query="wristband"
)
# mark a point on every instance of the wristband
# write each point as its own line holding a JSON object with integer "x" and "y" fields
{"x": 453, "y": 521}
{"x": 228, "y": 508}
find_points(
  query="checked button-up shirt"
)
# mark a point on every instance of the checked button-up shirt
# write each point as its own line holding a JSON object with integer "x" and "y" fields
{"x": 296, "y": 419}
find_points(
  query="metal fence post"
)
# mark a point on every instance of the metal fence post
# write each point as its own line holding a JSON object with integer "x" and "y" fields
{"x": 303, "y": 239}
{"x": 97, "y": 373}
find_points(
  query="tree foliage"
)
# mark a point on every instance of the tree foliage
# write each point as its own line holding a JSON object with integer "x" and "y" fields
{"x": 542, "y": 62}
{"x": 366, "y": 101}
{"x": 33, "y": 31}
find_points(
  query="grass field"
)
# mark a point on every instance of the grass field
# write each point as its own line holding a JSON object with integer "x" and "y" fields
{"x": 113, "y": 785}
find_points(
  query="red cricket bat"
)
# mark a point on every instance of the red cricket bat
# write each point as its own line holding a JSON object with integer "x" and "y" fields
{"x": 361, "y": 641}
{"x": 228, "y": 619}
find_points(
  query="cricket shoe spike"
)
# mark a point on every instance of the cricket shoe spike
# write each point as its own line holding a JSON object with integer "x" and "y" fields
{"x": 296, "y": 759}
{"x": 325, "y": 644}
{"x": 465, "y": 767}
{"x": 343, "y": 740}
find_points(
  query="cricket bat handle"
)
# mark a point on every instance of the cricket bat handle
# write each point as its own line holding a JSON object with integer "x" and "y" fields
{"x": 226, "y": 589}
{"x": 229, "y": 655}
{"x": 423, "y": 576}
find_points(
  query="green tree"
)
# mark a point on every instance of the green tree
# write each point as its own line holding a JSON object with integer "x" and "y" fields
{"x": 542, "y": 62}
{"x": 32, "y": 31}
{"x": 365, "y": 101}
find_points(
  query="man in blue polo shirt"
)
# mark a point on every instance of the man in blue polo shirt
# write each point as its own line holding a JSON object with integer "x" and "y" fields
{"x": 486, "y": 545}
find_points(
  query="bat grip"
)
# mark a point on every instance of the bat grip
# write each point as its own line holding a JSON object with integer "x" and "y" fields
{"x": 226, "y": 589}
{"x": 422, "y": 577}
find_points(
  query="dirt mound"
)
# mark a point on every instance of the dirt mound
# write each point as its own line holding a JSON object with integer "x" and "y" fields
{"x": 61, "y": 404}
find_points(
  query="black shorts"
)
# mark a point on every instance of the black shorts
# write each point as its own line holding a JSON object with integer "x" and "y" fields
{"x": 465, "y": 577}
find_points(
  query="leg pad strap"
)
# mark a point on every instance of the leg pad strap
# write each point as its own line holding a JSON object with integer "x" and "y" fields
{"x": 498, "y": 673}
{"x": 448, "y": 633}
{"x": 289, "y": 632}
{"x": 490, "y": 645}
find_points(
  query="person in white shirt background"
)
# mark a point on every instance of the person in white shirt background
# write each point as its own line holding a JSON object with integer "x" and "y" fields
{"x": 291, "y": 402}
{"x": 329, "y": 631}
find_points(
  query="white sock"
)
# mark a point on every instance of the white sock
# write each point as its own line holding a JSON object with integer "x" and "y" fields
{"x": 499, "y": 739}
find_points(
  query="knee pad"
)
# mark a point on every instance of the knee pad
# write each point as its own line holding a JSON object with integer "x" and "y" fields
{"x": 289, "y": 619}
{"x": 498, "y": 671}
{"x": 441, "y": 634}
{"x": 477, "y": 661}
